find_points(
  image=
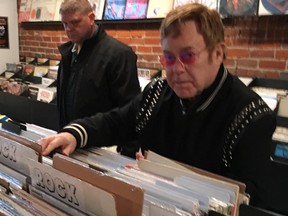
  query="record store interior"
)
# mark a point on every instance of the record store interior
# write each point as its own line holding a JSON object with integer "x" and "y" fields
{"x": 144, "y": 107}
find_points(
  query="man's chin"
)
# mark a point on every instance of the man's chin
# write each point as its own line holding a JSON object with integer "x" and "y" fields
{"x": 185, "y": 95}
{"x": 73, "y": 39}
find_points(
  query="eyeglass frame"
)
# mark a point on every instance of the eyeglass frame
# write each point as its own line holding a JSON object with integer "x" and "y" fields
{"x": 180, "y": 59}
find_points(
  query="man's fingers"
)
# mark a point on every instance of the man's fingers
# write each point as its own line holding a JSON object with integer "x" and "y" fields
{"x": 139, "y": 155}
{"x": 64, "y": 142}
{"x": 48, "y": 144}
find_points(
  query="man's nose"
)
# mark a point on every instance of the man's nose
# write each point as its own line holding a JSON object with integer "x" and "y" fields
{"x": 179, "y": 64}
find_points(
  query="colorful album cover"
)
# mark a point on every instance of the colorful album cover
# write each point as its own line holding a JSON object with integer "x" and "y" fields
{"x": 273, "y": 7}
{"x": 135, "y": 9}
{"x": 238, "y": 8}
{"x": 40, "y": 71}
{"x": 42, "y": 10}
{"x": 114, "y": 9}
{"x": 98, "y": 8}
{"x": 156, "y": 8}
{"x": 28, "y": 69}
{"x": 24, "y": 10}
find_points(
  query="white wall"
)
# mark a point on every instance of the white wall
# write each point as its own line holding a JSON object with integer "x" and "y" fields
{"x": 8, "y": 8}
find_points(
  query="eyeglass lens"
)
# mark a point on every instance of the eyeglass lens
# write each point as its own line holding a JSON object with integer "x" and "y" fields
{"x": 186, "y": 57}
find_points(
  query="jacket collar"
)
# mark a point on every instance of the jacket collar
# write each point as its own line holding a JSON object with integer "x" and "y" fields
{"x": 208, "y": 95}
{"x": 65, "y": 49}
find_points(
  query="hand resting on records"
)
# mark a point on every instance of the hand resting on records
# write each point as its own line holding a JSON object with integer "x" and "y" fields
{"x": 66, "y": 142}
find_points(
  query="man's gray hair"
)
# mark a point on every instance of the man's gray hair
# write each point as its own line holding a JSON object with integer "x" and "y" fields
{"x": 72, "y": 6}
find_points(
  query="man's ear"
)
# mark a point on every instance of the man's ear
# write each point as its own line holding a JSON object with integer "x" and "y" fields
{"x": 221, "y": 51}
{"x": 91, "y": 16}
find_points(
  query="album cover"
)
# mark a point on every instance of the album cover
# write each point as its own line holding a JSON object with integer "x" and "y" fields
{"x": 114, "y": 9}
{"x": 46, "y": 94}
{"x": 13, "y": 67}
{"x": 30, "y": 60}
{"x": 52, "y": 72}
{"x": 98, "y": 8}
{"x": 42, "y": 10}
{"x": 238, "y": 8}
{"x": 273, "y": 7}
{"x": 33, "y": 92}
{"x": 40, "y": 71}
{"x": 42, "y": 61}
{"x": 28, "y": 69}
{"x": 156, "y": 8}
{"x": 24, "y": 10}
{"x": 53, "y": 62}
{"x": 135, "y": 9}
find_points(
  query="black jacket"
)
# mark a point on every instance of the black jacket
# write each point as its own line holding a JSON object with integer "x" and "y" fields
{"x": 102, "y": 77}
{"x": 226, "y": 131}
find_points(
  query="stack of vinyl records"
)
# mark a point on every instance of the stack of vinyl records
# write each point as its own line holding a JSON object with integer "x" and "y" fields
{"x": 97, "y": 181}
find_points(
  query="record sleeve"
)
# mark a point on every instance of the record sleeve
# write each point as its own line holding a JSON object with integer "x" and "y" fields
{"x": 135, "y": 9}
{"x": 114, "y": 9}
{"x": 98, "y": 8}
{"x": 24, "y": 11}
{"x": 42, "y": 10}
{"x": 129, "y": 198}
{"x": 238, "y": 8}
{"x": 40, "y": 71}
{"x": 10, "y": 207}
{"x": 35, "y": 205}
{"x": 273, "y": 7}
{"x": 156, "y": 8}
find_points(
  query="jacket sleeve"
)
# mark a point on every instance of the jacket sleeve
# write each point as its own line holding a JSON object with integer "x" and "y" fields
{"x": 251, "y": 158}
{"x": 116, "y": 127}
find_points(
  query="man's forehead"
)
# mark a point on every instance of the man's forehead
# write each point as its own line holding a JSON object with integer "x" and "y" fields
{"x": 69, "y": 16}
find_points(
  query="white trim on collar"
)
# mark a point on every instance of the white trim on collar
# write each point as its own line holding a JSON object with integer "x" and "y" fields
{"x": 74, "y": 48}
{"x": 213, "y": 95}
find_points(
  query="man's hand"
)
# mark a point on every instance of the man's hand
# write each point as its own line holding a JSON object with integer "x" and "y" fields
{"x": 135, "y": 166}
{"x": 139, "y": 156}
{"x": 64, "y": 141}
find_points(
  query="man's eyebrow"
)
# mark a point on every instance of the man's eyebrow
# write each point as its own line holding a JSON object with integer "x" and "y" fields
{"x": 188, "y": 48}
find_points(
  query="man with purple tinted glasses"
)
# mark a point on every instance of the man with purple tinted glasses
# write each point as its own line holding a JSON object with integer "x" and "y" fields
{"x": 200, "y": 115}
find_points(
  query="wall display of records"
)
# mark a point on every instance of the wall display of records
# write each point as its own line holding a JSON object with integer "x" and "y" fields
{"x": 48, "y": 10}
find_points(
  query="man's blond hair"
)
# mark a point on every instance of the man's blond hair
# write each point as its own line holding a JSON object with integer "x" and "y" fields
{"x": 208, "y": 22}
